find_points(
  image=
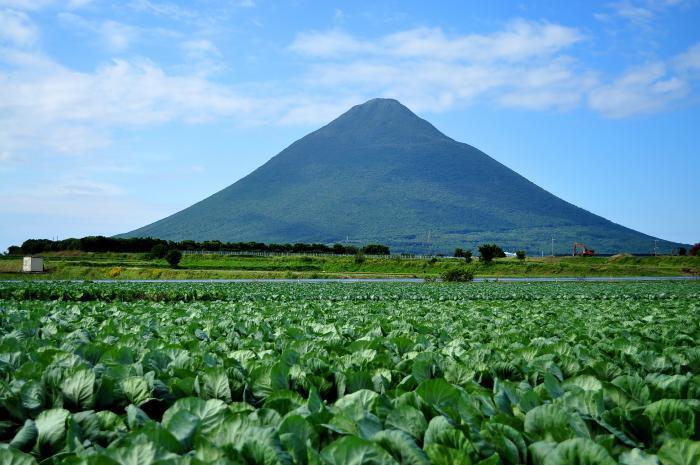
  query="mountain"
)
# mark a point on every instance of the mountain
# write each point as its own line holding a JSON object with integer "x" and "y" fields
{"x": 379, "y": 173}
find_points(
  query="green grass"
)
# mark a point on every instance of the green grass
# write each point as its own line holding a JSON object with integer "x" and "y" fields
{"x": 136, "y": 266}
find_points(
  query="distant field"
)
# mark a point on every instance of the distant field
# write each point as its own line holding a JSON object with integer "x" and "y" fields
{"x": 136, "y": 266}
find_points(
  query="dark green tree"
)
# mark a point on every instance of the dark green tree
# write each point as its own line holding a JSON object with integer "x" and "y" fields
{"x": 520, "y": 254}
{"x": 173, "y": 257}
{"x": 487, "y": 252}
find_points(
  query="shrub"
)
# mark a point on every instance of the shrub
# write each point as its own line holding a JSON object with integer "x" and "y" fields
{"x": 682, "y": 251}
{"x": 458, "y": 274}
{"x": 487, "y": 252}
{"x": 359, "y": 258}
{"x": 173, "y": 257}
{"x": 520, "y": 254}
{"x": 115, "y": 271}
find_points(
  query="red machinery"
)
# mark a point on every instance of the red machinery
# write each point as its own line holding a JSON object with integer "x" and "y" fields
{"x": 585, "y": 251}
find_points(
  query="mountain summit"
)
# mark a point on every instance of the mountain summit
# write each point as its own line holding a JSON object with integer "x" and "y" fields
{"x": 379, "y": 173}
{"x": 381, "y": 121}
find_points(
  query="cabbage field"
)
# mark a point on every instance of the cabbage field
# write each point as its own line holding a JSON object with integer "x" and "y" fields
{"x": 350, "y": 374}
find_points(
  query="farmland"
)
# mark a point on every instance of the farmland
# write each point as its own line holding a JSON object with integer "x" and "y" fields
{"x": 278, "y": 373}
{"x": 81, "y": 265}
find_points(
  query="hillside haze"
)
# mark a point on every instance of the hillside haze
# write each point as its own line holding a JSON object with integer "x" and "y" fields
{"x": 379, "y": 173}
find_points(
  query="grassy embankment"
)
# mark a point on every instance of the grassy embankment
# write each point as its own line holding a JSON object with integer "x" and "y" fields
{"x": 136, "y": 266}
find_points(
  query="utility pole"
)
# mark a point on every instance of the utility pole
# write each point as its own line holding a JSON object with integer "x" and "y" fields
{"x": 552, "y": 246}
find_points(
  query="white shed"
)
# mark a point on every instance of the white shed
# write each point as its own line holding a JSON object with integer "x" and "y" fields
{"x": 32, "y": 264}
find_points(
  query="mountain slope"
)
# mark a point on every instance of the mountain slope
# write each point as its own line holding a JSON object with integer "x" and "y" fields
{"x": 379, "y": 173}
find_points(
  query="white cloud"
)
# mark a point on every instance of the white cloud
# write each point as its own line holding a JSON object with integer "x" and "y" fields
{"x": 523, "y": 66}
{"x": 646, "y": 89}
{"x": 50, "y": 108}
{"x": 17, "y": 29}
{"x": 527, "y": 65}
{"x": 520, "y": 40}
{"x": 73, "y": 112}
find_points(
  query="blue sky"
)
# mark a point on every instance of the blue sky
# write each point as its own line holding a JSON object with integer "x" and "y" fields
{"x": 116, "y": 114}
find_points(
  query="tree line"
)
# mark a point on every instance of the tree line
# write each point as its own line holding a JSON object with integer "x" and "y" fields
{"x": 148, "y": 244}
{"x": 487, "y": 252}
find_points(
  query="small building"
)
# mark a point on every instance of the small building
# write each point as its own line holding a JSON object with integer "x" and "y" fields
{"x": 32, "y": 264}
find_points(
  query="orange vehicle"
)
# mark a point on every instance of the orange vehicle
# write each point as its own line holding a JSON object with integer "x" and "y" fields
{"x": 584, "y": 251}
